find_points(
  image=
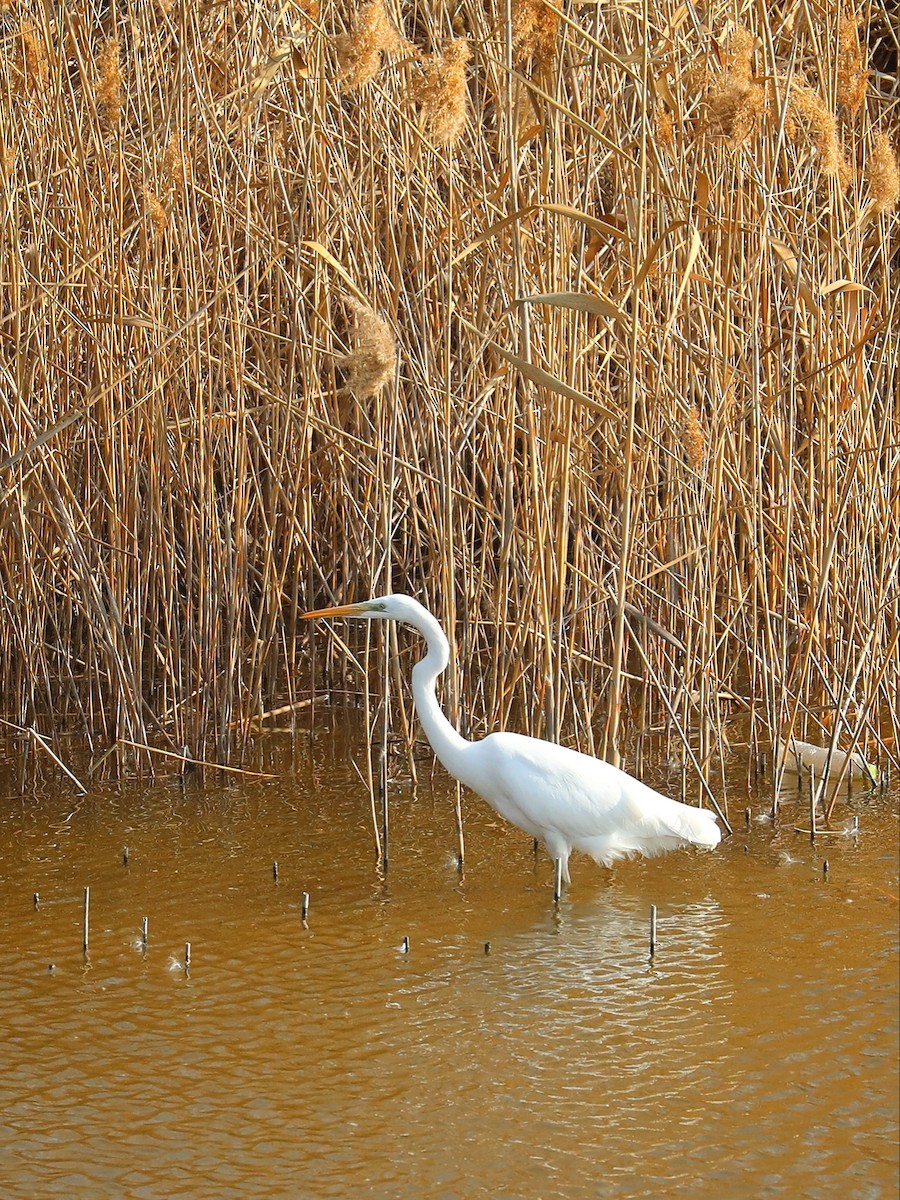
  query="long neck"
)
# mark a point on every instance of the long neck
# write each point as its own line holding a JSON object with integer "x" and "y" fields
{"x": 449, "y": 746}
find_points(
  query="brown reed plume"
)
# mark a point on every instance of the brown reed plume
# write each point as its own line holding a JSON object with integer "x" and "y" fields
{"x": 371, "y": 362}
{"x": 809, "y": 115}
{"x": 109, "y": 82}
{"x": 734, "y": 99}
{"x": 360, "y": 52}
{"x": 159, "y": 218}
{"x": 535, "y": 34}
{"x": 441, "y": 93}
{"x": 665, "y": 127}
{"x": 693, "y": 439}
{"x": 883, "y": 174}
{"x": 852, "y": 70}
{"x": 37, "y": 67}
{"x": 176, "y": 164}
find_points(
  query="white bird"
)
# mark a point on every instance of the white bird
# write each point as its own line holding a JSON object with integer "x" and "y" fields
{"x": 569, "y": 800}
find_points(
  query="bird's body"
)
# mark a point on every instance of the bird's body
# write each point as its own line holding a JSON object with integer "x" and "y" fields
{"x": 569, "y": 800}
{"x": 572, "y": 801}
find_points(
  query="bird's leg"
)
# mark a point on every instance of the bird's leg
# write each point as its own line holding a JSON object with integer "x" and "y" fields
{"x": 535, "y": 847}
{"x": 557, "y": 879}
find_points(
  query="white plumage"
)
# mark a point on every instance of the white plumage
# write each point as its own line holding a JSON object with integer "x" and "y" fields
{"x": 570, "y": 801}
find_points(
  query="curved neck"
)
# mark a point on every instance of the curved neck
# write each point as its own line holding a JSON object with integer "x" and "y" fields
{"x": 447, "y": 743}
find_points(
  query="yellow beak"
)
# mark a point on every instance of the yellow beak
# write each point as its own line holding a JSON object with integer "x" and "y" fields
{"x": 340, "y": 610}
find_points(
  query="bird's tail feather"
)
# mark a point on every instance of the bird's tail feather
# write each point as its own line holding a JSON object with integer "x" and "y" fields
{"x": 692, "y": 827}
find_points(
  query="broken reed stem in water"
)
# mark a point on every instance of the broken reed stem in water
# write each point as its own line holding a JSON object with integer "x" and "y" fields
{"x": 183, "y": 758}
{"x": 86, "y": 920}
{"x": 383, "y": 794}
{"x": 460, "y": 837}
{"x": 632, "y": 430}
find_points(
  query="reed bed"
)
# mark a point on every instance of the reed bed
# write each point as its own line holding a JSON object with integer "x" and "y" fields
{"x": 578, "y": 322}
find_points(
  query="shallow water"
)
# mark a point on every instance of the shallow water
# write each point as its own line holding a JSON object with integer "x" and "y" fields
{"x": 758, "y": 1054}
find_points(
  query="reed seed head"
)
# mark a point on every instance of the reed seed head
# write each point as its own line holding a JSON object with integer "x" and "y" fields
{"x": 665, "y": 127}
{"x": 693, "y": 439}
{"x": 852, "y": 69}
{"x": 535, "y": 35}
{"x": 360, "y": 51}
{"x": 159, "y": 218}
{"x": 737, "y": 53}
{"x": 372, "y": 360}
{"x": 109, "y": 84}
{"x": 734, "y": 99}
{"x": 821, "y": 124}
{"x": 37, "y": 68}
{"x": 176, "y": 163}
{"x": 442, "y": 95}
{"x": 883, "y": 175}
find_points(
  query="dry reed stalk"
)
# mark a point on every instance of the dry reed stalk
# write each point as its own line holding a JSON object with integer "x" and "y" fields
{"x": 182, "y": 470}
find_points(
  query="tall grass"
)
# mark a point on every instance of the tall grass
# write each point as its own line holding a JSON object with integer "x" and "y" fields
{"x": 580, "y": 323}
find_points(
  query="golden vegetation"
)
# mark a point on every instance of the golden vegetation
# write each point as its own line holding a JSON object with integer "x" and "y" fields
{"x": 884, "y": 174}
{"x": 734, "y": 98}
{"x": 360, "y": 52}
{"x": 109, "y": 82}
{"x": 852, "y": 72}
{"x": 371, "y": 363}
{"x": 441, "y": 93}
{"x": 626, "y": 419}
{"x": 535, "y": 35}
{"x": 820, "y": 126}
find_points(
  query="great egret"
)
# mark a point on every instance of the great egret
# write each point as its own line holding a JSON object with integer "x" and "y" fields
{"x": 569, "y": 800}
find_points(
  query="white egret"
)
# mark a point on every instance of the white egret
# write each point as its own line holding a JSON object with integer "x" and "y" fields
{"x": 569, "y": 800}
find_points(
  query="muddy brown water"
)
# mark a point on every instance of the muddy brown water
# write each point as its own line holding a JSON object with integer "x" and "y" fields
{"x": 757, "y": 1055}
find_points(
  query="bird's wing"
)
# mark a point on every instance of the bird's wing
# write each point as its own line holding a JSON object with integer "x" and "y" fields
{"x": 551, "y": 786}
{"x": 584, "y": 798}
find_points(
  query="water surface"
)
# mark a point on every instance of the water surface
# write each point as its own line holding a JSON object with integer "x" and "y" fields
{"x": 757, "y": 1054}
